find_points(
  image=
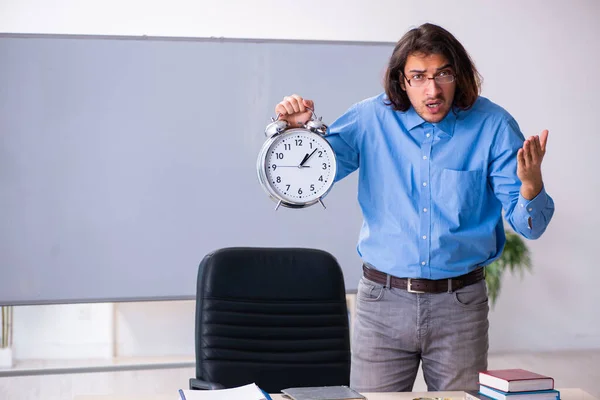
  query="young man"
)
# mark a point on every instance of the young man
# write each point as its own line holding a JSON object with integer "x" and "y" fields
{"x": 437, "y": 164}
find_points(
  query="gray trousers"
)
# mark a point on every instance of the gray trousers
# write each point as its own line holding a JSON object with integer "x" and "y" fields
{"x": 395, "y": 330}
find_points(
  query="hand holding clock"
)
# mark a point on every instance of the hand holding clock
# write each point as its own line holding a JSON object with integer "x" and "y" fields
{"x": 296, "y": 133}
{"x": 295, "y": 110}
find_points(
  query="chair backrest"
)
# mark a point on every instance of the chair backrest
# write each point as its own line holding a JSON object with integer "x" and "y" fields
{"x": 273, "y": 316}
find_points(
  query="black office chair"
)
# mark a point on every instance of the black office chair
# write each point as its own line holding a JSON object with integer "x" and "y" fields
{"x": 276, "y": 317}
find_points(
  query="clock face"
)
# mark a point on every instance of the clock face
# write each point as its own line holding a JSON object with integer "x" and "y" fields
{"x": 300, "y": 166}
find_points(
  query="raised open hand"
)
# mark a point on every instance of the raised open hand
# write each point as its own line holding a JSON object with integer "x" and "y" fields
{"x": 529, "y": 164}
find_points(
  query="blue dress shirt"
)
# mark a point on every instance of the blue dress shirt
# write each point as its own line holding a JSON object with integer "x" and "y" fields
{"x": 432, "y": 194}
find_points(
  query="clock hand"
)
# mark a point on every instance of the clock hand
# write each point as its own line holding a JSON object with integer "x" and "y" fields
{"x": 303, "y": 160}
{"x": 307, "y": 157}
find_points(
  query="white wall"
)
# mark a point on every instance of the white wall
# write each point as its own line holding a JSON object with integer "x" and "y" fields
{"x": 376, "y": 20}
{"x": 540, "y": 60}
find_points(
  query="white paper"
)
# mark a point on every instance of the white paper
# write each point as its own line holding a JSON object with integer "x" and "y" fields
{"x": 246, "y": 392}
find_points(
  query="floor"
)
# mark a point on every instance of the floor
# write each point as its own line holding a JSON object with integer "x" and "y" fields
{"x": 570, "y": 369}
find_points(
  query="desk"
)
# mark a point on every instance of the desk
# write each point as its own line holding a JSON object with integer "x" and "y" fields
{"x": 565, "y": 394}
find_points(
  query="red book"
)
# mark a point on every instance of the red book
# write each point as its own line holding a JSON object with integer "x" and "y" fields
{"x": 515, "y": 380}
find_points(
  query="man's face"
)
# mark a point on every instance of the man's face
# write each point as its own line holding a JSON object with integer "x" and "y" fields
{"x": 433, "y": 100}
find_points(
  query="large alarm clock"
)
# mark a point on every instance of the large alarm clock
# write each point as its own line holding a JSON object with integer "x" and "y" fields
{"x": 296, "y": 166}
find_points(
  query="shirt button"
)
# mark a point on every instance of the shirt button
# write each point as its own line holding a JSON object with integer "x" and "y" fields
{"x": 424, "y": 157}
{"x": 424, "y": 210}
{"x": 429, "y": 134}
{"x": 423, "y": 263}
{"x": 424, "y": 183}
{"x": 424, "y": 237}
{"x": 530, "y": 209}
{"x": 522, "y": 205}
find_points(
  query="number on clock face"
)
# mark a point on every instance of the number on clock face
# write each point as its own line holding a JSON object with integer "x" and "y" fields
{"x": 300, "y": 167}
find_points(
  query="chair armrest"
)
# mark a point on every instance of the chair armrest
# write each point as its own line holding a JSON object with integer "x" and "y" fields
{"x": 199, "y": 384}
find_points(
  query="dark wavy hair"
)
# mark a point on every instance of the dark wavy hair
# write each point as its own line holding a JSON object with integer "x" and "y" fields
{"x": 430, "y": 39}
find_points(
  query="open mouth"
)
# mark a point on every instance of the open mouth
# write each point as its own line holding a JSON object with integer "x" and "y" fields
{"x": 434, "y": 106}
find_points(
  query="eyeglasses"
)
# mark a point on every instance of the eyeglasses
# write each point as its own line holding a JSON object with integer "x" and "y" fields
{"x": 420, "y": 80}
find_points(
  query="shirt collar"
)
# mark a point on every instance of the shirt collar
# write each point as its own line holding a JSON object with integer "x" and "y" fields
{"x": 447, "y": 124}
{"x": 412, "y": 120}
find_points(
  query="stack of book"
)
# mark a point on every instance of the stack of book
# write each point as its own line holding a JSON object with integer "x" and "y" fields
{"x": 513, "y": 384}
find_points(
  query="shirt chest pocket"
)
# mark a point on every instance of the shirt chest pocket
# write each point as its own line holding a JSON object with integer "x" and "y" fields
{"x": 459, "y": 190}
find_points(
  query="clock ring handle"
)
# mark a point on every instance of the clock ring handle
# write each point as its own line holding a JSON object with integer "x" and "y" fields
{"x": 314, "y": 125}
{"x": 313, "y": 116}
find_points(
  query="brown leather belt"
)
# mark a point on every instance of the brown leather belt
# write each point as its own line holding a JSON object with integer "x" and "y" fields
{"x": 424, "y": 285}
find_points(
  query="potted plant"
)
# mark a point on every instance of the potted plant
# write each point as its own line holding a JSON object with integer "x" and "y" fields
{"x": 515, "y": 257}
{"x": 6, "y": 318}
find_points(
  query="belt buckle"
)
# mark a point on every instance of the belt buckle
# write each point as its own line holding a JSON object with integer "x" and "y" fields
{"x": 409, "y": 287}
